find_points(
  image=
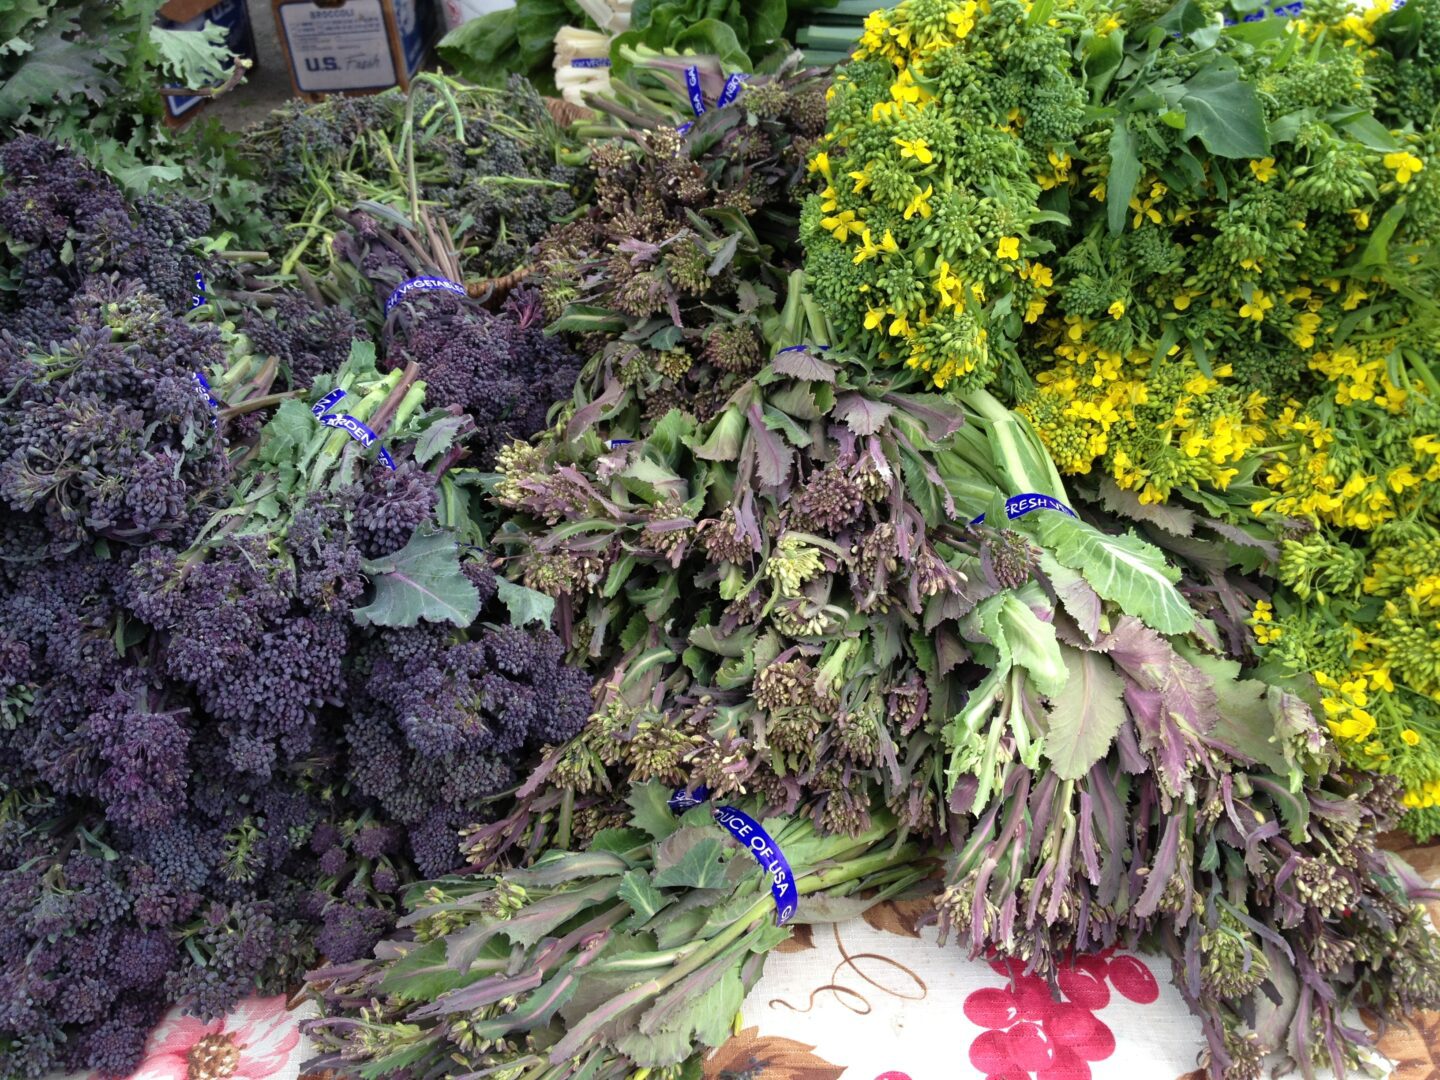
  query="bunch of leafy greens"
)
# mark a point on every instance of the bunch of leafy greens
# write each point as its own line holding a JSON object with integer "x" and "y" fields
{"x": 684, "y": 229}
{"x": 781, "y": 574}
{"x": 91, "y": 76}
{"x": 489, "y": 165}
{"x": 740, "y": 36}
{"x": 633, "y": 954}
{"x": 1216, "y": 289}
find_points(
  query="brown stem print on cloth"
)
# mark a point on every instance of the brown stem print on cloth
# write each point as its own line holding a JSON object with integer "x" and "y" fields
{"x": 1412, "y": 1044}
{"x": 852, "y": 999}
{"x": 752, "y": 1056}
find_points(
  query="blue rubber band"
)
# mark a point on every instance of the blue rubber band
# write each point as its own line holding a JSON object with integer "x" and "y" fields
{"x": 762, "y": 847}
{"x": 1020, "y": 505}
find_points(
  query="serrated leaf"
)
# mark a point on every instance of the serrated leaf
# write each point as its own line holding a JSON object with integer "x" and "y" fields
{"x": 421, "y": 581}
{"x": 644, "y": 899}
{"x": 292, "y": 427}
{"x": 698, "y": 868}
{"x": 863, "y": 415}
{"x": 525, "y": 605}
{"x": 1086, "y": 717}
{"x": 193, "y": 59}
{"x": 55, "y": 69}
{"x": 803, "y": 364}
{"x": 438, "y": 437}
{"x": 650, "y": 809}
{"x": 1123, "y": 569}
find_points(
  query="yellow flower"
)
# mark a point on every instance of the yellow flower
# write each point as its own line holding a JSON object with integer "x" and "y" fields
{"x": 1035, "y": 309}
{"x": 829, "y": 200}
{"x": 963, "y": 19}
{"x": 1182, "y": 301}
{"x": 841, "y": 225}
{"x": 1361, "y": 218}
{"x": 1040, "y": 275}
{"x": 900, "y": 325}
{"x": 1410, "y": 737}
{"x": 920, "y": 204}
{"x": 1008, "y": 248}
{"x": 861, "y": 178}
{"x": 915, "y": 148}
{"x": 1264, "y": 169}
{"x": 1109, "y": 26}
{"x": 867, "y": 248}
{"x": 1256, "y": 306}
{"x": 874, "y": 317}
{"x": 1353, "y": 298}
{"x": 1117, "y": 309}
{"x": 1404, "y": 165}
{"x": 820, "y": 163}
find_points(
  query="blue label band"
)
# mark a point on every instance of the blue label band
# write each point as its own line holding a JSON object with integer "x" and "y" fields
{"x": 685, "y": 127}
{"x": 683, "y": 800}
{"x": 422, "y": 284}
{"x": 356, "y": 429}
{"x": 731, "y": 91}
{"x": 204, "y": 385}
{"x": 692, "y": 85}
{"x": 615, "y": 444}
{"x": 324, "y": 405}
{"x": 199, "y": 297}
{"x": 755, "y": 840}
{"x": 591, "y": 62}
{"x": 1020, "y": 505}
{"x": 802, "y": 348}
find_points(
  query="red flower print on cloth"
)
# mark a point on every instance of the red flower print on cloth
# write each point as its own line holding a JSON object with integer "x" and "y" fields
{"x": 893, "y": 1076}
{"x": 256, "y": 1040}
{"x": 1031, "y": 1036}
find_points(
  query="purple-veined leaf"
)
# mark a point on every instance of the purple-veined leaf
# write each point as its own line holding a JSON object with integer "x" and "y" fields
{"x": 861, "y": 414}
{"x": 1085, "y": 717}
{"x": 940, "y": 417}
{"x": 772, "y": 456}
{"x": 803, "y": 364}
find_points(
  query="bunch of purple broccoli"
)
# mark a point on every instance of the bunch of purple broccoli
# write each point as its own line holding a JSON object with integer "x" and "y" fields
{"x": 211, "y": 774}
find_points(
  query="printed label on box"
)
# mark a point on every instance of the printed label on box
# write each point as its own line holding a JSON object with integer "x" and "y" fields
{"x": 411, "y": 22}
{"x": 339, "y": 48}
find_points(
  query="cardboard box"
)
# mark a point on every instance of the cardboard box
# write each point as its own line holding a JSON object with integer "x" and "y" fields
{"x": 353, "y": 46}
{"x": 233, "y": 15}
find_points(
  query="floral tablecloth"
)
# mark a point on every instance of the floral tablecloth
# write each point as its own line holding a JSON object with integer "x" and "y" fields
{"x": 873, "y": 999}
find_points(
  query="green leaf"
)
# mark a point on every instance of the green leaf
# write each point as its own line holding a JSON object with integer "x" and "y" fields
{"x": 55, "y": 70}
{"x": 193, "y": 59}
{"x": 1122, "y": 568}
{"x": 420, "y": 581}
{"x": 1032, "y": 644}
{"x": 1124, "y": 175}
{"x": 1224, "y": 113}
{"x": 586, "y": 319}
{"x": 525, "y": 605}
{"x": 1086, "y": 717}
{"x": 476, "y": 49}
{"x": 650, "y": 809}
{"x": 725, "y": 438}
{"x": 438, "y": 437}
{"x": 698, "y": 868}
{"x": 292, "y": 427}
{"x": 1377, "y": 248}
{"x": 644, "y": 899}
